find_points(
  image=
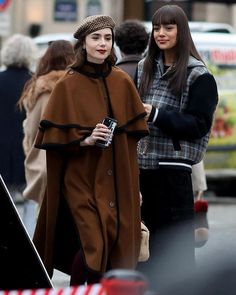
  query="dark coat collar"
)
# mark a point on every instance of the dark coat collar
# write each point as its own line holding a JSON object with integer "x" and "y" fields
{"x": 94, "y": 70}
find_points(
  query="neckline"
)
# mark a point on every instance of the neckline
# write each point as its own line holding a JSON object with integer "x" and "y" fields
{"x": 94, "y": 70}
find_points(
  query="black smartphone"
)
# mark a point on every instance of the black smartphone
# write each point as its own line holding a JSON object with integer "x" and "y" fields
{"x": 111, "y": 124}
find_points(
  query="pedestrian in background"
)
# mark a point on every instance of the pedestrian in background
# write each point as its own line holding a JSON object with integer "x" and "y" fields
{"x": 51, "y": 67}
{"x": 18, "y": 56}
{"x": 89, "y": 220}
{"x": 180, "y": 97}
{"x": 132, "y": 38}
{"x": 199, "y": 179}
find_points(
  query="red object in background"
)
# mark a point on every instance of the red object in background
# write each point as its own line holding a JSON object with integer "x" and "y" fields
{"x": 4, "y": 4}
{"x": 124, "y": 282}
{"x": 200, "y": 204}
{"x": 201, "y": 223}
{"x": 119, "y": 286}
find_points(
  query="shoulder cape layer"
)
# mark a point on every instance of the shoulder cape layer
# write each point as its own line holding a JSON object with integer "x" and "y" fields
{"x": 78, "y": 103}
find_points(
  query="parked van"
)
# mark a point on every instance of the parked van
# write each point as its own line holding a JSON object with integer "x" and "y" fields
{"x": 218, "y": 50}
{"x": 202, "y": 27}
{"x": 42, "y": 41}
{"x": 211, "y": 27}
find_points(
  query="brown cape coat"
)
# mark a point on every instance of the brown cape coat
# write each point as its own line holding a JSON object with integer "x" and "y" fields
{"x": 100, "y": 187}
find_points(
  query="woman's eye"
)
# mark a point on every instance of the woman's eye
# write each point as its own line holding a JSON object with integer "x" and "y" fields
{"x": 169, "y": 27}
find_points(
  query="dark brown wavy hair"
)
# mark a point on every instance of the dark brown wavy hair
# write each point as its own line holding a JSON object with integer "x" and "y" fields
{"x": 170, "y": 14}
{"x": 58, "y": 56}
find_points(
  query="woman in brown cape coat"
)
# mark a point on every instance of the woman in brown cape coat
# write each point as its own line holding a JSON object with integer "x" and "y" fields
{"x": 89, "y": 221}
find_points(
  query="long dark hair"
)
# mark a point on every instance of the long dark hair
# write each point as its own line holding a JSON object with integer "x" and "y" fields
{"x": 170, "y": 14}
{"x": 80, "y": 53}
{"x": 58, "y": 56}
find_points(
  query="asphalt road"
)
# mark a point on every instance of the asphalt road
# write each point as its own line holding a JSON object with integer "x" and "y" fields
{"x": 220, "y": 247}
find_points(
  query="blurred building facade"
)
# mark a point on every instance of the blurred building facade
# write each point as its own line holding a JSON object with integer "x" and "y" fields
{"x": 34, "y": 17}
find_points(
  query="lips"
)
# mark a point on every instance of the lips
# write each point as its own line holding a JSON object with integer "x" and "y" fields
{"x": 102, "y": 51}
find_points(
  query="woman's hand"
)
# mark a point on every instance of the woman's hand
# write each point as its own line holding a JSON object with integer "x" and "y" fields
{"x": 148, "y": 109}
{"x": 100, "y": 132}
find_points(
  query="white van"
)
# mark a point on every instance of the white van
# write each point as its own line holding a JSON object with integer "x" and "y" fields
{"x": 201, "y": 27}
{"x": 42, "y": 41}
{"x": 210, "y": 27}
{"x": 218, "y": 50}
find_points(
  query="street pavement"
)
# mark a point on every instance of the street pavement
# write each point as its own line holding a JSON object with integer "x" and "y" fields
{"x": 221, "y": 245}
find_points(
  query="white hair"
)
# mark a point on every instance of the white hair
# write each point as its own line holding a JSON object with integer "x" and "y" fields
{"x": 19, "y": 50}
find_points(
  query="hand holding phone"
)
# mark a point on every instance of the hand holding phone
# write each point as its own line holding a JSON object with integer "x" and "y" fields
{"x": 111, "y": 124}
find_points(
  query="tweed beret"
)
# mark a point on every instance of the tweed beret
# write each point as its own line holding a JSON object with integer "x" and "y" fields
{"x": 94, "y": 23}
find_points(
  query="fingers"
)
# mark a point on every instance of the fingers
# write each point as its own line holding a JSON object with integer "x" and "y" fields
{"x": 101, "y": 132}
{"x": 148, "y": 109}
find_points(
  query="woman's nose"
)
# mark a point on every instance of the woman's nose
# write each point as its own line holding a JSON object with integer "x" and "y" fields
{"x": 161, "y": 30}
{"x": 103, "y": 41}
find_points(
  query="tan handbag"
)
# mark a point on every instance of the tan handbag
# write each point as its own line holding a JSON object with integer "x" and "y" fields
{"x": 144, "y": 248}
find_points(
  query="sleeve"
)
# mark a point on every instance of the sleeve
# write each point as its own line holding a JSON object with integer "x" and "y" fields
{"x": 195, "y": 122}
{"x": 31, "y": 123}
{"x": 35, "y": 160}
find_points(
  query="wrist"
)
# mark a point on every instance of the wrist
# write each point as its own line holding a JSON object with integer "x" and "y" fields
{"x": 87, "y": 141}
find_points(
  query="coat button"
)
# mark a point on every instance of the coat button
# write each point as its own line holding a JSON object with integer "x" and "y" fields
{"x": 109, "y": 172}
{"x": 112, "y": 204}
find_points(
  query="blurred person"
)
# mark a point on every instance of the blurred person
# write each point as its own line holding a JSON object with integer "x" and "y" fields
{"x": 200, "y": 204}
{"x": 132, "y": 38}
{"x": 17, "y": 57}
{"x": 89, "y": 221}
{"x": 199, "y": 179}
{"x": 51, "y": 67}
{"x": 180, "y": 97}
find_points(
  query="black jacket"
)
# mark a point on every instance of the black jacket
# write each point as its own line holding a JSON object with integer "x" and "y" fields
{"x": 12, "y": 81}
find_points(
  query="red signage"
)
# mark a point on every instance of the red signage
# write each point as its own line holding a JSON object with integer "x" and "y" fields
{"x": 4, "y": 4}
{"x": 226, "y": 57}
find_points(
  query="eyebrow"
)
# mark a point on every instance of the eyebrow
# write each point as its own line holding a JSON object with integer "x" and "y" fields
{"x": 97, "y": 34}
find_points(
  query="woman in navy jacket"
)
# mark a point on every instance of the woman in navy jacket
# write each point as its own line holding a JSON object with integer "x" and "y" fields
{"x": 17, "y": 56}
